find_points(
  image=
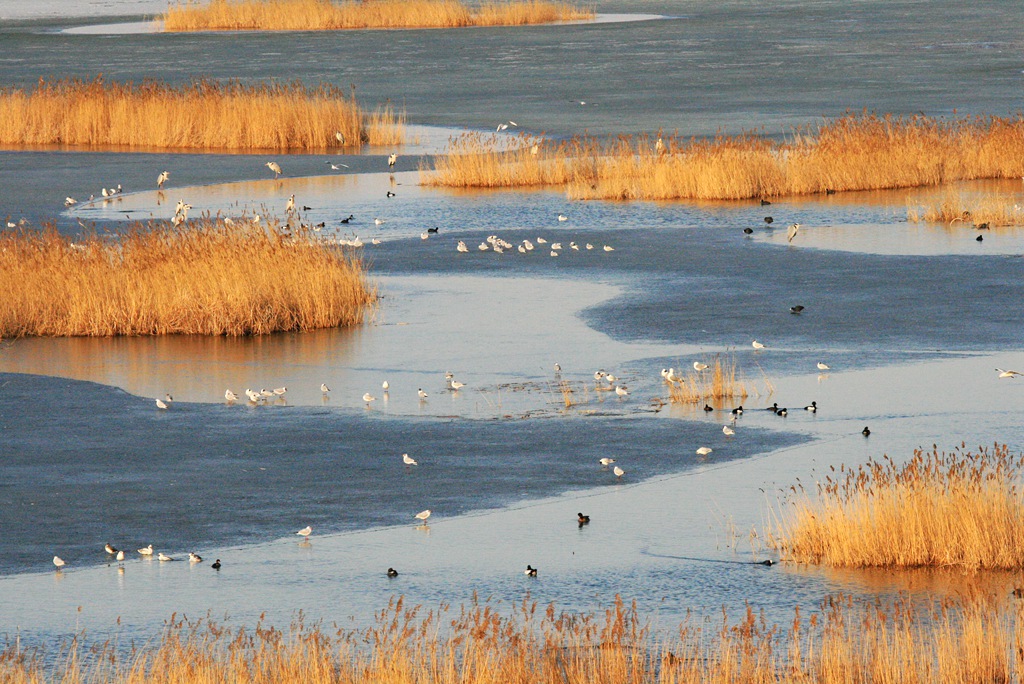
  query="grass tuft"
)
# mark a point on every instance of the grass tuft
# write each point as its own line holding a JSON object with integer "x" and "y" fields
{"x": 327, "y": 15}
{"x": 205, "y": 114}
{"x": 854, "y": 152}
{"x": 990, "y": 211}
{"x": 960, "y": 509}
{"x": 204, "y": 278}
{"x": 716, "y": 384}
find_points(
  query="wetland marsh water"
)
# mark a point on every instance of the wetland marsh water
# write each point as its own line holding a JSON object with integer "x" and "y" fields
{"x": 912, "y": 320}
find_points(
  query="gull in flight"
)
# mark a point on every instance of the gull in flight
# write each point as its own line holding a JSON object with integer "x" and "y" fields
{"x": 275, "y": 167}
{"x": 704, "y": 451}
{"x": 423, "y": 515}
{"x": 792, "y": 231}
{"x": 757, "y": 345}
{"x": 305, "y": 532}
{"x": 59, "y": 562}
{"x": 409, "y": 460}
{"x": 606, "y": 461}
{"x": 162, "y": 178}
{"x": 698, "y": 366}
{"x": 728, "y": 430}
{"x": 822, "y": 366}
{"x": 619, "y": 472}
{"x": 336, "y": 167}
{"x": 1007, "y": 373}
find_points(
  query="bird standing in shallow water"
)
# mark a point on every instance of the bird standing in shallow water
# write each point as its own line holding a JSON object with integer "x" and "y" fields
{"x": 392, "y": 158}
{"x": 305, "y": 532}
{"x": 162, "y": 178}
{"x": 59, "y": 562}
{"x": 423, "y": 515}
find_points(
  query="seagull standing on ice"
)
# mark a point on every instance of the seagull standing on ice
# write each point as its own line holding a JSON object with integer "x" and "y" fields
{"x": 324, "y": 388}
{"x": 728, "y": 431}
{"x": 230, "y": 396}
{"x": 369, "y": 397}
{"x": 148, "y": 551}
{"x": 409, "y": 460}
{"x": 392, "y": 158}
{"x": 619, "y": 472}
{"x": 423, "y": 515}
{"x": 421, "y": 393}
{"x": 757, "y": 345}
{"x": 59, "y": 562}
{"x": 822, "y": 366}
{"x": 305, "y": 532}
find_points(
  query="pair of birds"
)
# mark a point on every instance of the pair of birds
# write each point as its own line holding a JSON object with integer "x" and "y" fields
{"x": 605, "y": 462}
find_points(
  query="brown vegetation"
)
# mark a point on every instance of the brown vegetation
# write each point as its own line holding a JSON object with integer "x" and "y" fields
{"x": 204, "y": 115}
{"x": 973, "y": 639}
{"x": 988, "y": 211}
{"x": 204, "y": 278}
{"x": 855, "y": 152}
{"x": 326, "y": 15}
{"x": 961, "y": 509}
{"x": 715, "y": 384}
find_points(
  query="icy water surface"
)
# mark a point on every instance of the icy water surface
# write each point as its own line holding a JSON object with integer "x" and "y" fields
{"x": 912, "y": 319}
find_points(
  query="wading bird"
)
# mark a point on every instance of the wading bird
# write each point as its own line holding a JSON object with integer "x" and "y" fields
{"x": 162, "y": 178}
{"x": 392, "y": 158}
{"x": 275, "y": 167}
{"x": 792, "y": 231}
{"x": 823, "y": 366}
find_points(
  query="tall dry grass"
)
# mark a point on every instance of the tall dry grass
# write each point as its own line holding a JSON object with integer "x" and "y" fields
{"x": 204, "y": 278}
{"x": 991, "y": 211}
{"x": 854, "y": 152}
{"x": 205, "y": 115}
{"x": 716, "y": 384}
{"x": 326, "y": 15}
{"x": 844, "y": 641}
{"x": 961, "y": 509}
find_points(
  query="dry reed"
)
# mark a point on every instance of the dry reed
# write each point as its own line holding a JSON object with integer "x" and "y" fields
{"x": 717, "y": 383}
{"x": 327, "y": 15}
{"x": 205, "y": 115}
{"x": 203, "y": 278}
{"x": 960, "y": 509}
{"x": 854, "y": 152}
{"x": 988, "y": 211}
{"x": 970, "y": 640}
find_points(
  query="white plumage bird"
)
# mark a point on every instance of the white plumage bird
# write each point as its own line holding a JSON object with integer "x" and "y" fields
{"x": 728, "y": 430}
{"x": 1008, "y": 373}
{"x": 822, "y": 366}
{"x": 59, "y": 562}
{"x": 756, "y": 345}
{"x": 619, "y": 472}
{"x": 698, "y": 366}
{"x": 704, "y": 451}
{"x": 305, "y": 532}
{"x": 606, "y": 461}
{"x": 423, "y": 515}
{"x": 409, "y": 460}
{"x": 147, "y": 551}
{"x": 275, "y": 167}
{"x": 230, "y": 396}
{"x": 369, "y": 397}
{"x": 791, "y": 232}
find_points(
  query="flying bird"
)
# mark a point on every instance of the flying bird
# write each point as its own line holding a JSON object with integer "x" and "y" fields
{"x": 1007, "y": 373}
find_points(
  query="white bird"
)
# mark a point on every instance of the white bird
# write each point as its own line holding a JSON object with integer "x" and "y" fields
{"x": 337, "y": 167}
{"x": 792, "y": 231}
{"x": 704, "y": 451}
{"x": 424, "y": 236}
{"x": 70, "y": 201}
{"x": 275, "y": 167}
{"x": 109, "y": 548}
{"x": 423, "y": 515}
{"x": 555, "y": 246}
{"x": 621, "y": 391}
{"x": 659, "y": 146}
{"x": 148, "y": 551}
{"x": 554, "y": 253}
{"x": 161, "y": 405}
{"x": 501, "y": 127}
{"x": 757, "y": 345}
{"x": 563, "y": 217}
{"x": 385, "y": 385}
{"x": 608, "y": 249}
{"x": 163, "y": 557}
{"x": 461, "y": 247}
{"x": 483, "y": 247}
{"x": 324, "y": 388}
{"x": 104, "y": 192}
{"x": 728, "y": 430}
{"x": 541, "y": 241}
{"x": 408, "y": 460}
{"x": 456, "y": 385}
{"x": 305, "y": 531}
{"x": 253, "y": 396}
{"x": 573, "y": 245}
{"x": 369, "y": 397}
{"x": 59, "y": 562}
{"x": 558, "y": 367}
{"x": 822, "y": 366}
{"x": 1007, "y": 373}
{"x": 392, "y": 158}
{"x": 421, "y": 393}
{"x": 266, "y": 394}
{"x": 120, "y": 555}
{"x": 290, "y": 207}
{"x": 379, "y": 221}
{"x": 194, "y": 557}
{"x": 610, "y": 378}
{"x": 606, "y": 461}
{"x": 698, "y": 366}
{"x": 619, "y": 472}
{"x": 280, "y": 391}
{"x": 339, "y": 136}
{"x": 162, "y": 178}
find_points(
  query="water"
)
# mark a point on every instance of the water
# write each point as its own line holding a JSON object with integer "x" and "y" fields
{"x": 912, "y": 319}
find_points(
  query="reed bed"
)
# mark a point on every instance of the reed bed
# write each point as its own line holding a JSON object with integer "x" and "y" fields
{"x": 961, "y": 509}
{"x": 328, "y": 15}
{"x": 204, "y": 278}
{"x": 988, "y": 211}
{"x": 717, "y": 383}
{"x": 975, "y": 640}
{"x": 854, "y": 152}
{"x": 205, "y": 114}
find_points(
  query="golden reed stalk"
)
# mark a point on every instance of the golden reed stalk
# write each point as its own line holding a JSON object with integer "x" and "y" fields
{"x": 855, "y": 152}
{"x": 970, "y": 640}
{"x": 203, "y": 115}
{"x": 717, "y": 383}
{"x": 205, "y": 278}
{"x": 960, "y": 509}
{"x": 989, "y": 211}
{"x": 326, "y": 15}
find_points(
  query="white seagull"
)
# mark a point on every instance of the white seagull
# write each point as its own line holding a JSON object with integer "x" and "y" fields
{"x": 563, "y": 217}
{"x": 59, "y": 562}
{"x": 290, "y": 207}
{"x": 305, "y": 532}
{"x": 1007, "y": 373}
{"x": 385, "y": 385}
{"x": 148, "y": 551}
{"x": 619, "y": 472}
{"x": 369, "y": 397}
{"x": 728, "y": 430}
{"x": 421, "y": 393}
{"x": 423, "y": 515}
{"x": 606, "y": 461}
{"x": 120, "y": 555}
{"x": 698, "y": 366}
{"x": 280, "y": 391}
{"x": 230, "y": 396}
{"x": 163, "y": 557}
{"x": 161, "y": 405}
{"x": 621, "y": 391}
{"x": 194, "y": 557}
{"x": 324, "y": 388}
{"x": 409, "y": 460}
{"x": 608, "y": 249}
{"x": 757, "y": 345}
{"x": 392, "y": 158}
{"x": 456, "y": 385}
{"x": 822, "y": 366}
{"x": 704, "y": 451}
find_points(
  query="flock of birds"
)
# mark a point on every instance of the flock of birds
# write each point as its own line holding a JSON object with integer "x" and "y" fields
{"x": 497, "y": 245}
